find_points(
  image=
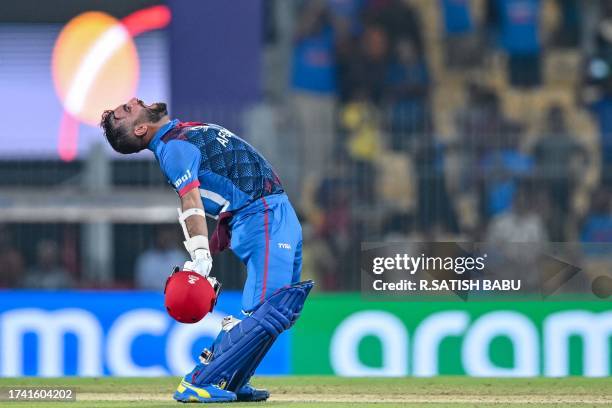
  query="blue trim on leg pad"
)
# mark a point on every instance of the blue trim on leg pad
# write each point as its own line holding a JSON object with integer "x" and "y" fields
{"x": 238, "y": 353}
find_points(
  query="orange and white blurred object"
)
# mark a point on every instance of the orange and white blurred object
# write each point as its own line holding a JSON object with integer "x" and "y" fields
{"x": 95, "y": 66}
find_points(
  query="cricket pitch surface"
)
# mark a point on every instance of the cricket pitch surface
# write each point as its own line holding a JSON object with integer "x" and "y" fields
{"x": 308, "y": 391}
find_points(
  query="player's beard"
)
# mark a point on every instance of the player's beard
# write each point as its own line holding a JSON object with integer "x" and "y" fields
{"x": 156, "y": 111}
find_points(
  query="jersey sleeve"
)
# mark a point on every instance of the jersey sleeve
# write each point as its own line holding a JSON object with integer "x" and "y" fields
{"x": 180, "y": 161}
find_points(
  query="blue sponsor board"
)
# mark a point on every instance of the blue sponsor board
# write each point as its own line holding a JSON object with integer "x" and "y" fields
{"x": 91, "y": 333}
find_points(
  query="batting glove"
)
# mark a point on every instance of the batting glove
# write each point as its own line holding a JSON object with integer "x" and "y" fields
{"x": 202, "y": 263}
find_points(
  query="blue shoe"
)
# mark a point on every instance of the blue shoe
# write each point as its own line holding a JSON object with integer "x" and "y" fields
{"x": 248, "y": 393}
{"x": 186, "y": 392}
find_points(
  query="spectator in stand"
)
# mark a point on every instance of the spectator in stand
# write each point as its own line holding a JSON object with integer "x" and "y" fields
{"x": 599, "y": 101}
{"x": 435, "y": 209}
{"x": 567, "y": 34}
{"x": 400, "y": 20}
{"x": 599, "y": 64}
{"x": 559, "y": 159}
{"x": 520, "y": 235}
{"x": 360, "y": 129}
{"x": 481, "y": 125}
{"x": 362, "y": 72}
{"x": 597, "y": 90}
{"x": 603, "y": 34}
{"x": 457, "y": 17}
{"x": 347, "y": 14}
{"x": 463, "y": 45}
{"x": 597, "y": 226}
{"x": 152, "y": 265}
{"x": 519, "y": 31}
{"x": 492, "y": 22}
{"x": 11, "y": 261}
{"x": 313, "y": 81}
{"x": 398, "y": 227}
{"x": 48, "y": 273}
{"x": 501, "y": 169}
{"x": 481, "y": 120}
{"x": 522, "y": 223}
{"x": 333, "y": 236}
{"x": 407, "y": 94}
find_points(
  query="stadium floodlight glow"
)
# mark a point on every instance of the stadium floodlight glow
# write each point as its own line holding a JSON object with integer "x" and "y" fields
{"x": 95, "y": 65}
{"x": 93, "y": 61}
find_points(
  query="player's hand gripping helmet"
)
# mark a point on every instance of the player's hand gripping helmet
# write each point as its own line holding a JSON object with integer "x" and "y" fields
{"x": 190, "y": 296}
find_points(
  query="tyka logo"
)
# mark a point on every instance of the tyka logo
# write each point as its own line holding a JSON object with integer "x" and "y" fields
{"x": 283, "y": 245}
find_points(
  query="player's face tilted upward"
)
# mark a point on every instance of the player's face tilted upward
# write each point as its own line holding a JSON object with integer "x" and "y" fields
{"x": 127, "y": 126}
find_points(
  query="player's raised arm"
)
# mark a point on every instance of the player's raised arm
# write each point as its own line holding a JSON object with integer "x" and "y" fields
{"x": 180, "y": 162}
{"x": 195, "y": 225}
{"x": 193, "y": 221}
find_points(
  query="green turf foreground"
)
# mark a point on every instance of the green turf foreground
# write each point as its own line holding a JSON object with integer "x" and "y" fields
{"x": 452, "y": 392}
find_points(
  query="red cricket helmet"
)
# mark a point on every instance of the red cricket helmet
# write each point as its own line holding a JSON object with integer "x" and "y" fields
{"x": 190, "y": 296}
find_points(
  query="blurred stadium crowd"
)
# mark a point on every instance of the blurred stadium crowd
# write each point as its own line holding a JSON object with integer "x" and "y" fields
{"x": 482, "y": 120}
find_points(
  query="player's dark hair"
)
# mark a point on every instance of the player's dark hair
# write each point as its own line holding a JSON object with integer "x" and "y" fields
{"x": 118, "y": 136}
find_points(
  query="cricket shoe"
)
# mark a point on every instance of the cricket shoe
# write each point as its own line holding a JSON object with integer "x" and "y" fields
{"x": 248, "y": 393}
{"x": 186, "y": 392}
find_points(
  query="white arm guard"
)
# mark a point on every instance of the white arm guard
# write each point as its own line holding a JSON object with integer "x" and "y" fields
{"x": 197, "y": 246}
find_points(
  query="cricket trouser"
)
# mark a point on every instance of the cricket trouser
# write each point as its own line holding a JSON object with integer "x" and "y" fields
{"x": 267, "y": 237}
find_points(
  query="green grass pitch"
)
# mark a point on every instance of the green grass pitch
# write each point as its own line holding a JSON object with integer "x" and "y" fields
{"x": 452, "y": 392}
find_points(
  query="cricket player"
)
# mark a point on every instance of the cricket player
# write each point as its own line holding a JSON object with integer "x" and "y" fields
{"x": 217, "y": 174}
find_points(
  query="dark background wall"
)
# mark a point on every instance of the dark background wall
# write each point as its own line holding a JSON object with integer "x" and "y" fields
{"x": 216, "y": 61}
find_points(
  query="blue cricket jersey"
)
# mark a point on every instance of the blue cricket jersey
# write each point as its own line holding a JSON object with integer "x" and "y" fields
{"x": 229, "y": 172}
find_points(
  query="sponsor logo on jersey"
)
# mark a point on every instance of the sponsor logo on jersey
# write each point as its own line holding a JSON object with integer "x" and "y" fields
{"x": 182, "y": 179}
{"x": 283, "y": 245}
{"x": 192, "y": 279}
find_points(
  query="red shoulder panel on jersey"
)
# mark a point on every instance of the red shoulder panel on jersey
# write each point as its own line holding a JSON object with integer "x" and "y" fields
{"x": 189, "y": 187}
